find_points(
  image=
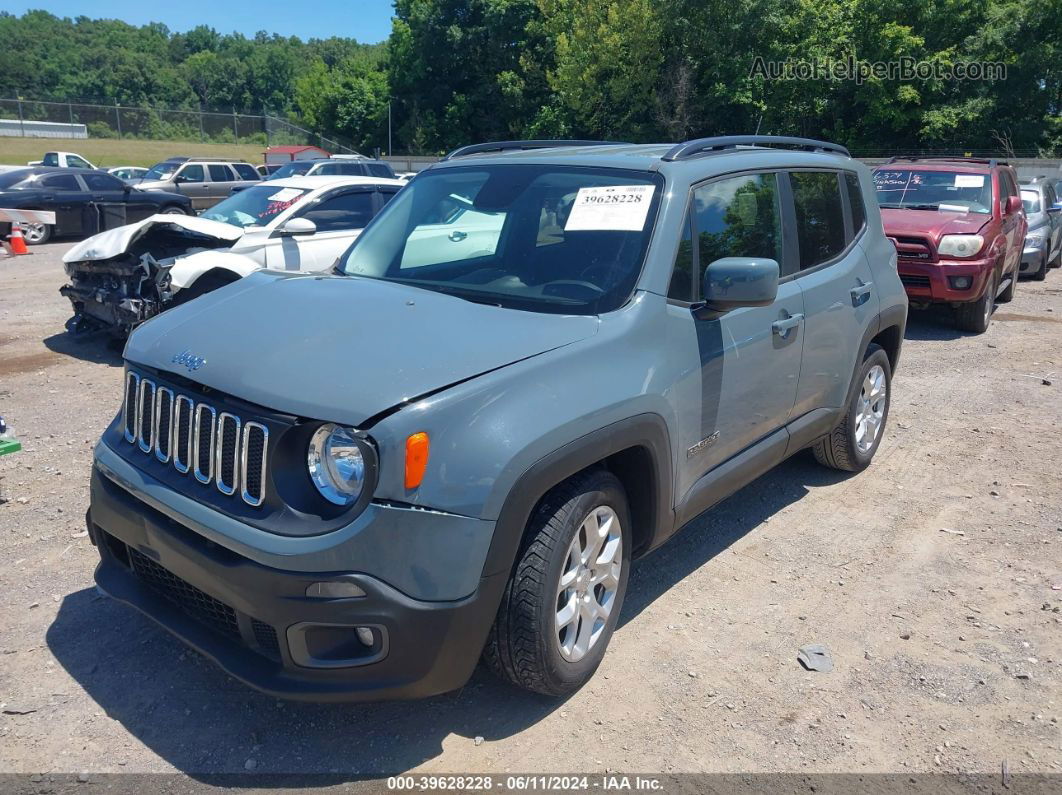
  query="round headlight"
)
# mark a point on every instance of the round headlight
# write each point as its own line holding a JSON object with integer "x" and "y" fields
{"x": 336, "y": 464}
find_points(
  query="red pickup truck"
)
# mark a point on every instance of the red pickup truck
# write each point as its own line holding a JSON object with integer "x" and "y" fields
{"x": 958, "y": 227}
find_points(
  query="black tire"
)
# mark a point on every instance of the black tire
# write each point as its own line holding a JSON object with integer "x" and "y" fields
{"x": 1041, "y": 273}
{"x": 206, "y": 283}
{"x": 523, "y": 646}
{"x": 41, "y": 236}
{"x": 840, "y": 450}
{"x": 1007, "y": 295}
{"x": 976, "y": 316}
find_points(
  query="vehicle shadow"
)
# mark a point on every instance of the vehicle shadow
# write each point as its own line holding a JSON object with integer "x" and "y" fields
{"x": 714, "y": 531}
{"x": 96, "y": 347}
{"x": 934, "y": 323}
{"x": 207, "y": 725}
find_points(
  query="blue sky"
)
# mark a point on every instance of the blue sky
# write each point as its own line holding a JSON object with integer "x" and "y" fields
{"x": 368, "y": 21}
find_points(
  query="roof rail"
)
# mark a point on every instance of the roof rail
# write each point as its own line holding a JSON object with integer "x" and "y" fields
{"x": 706, "y": 146}
{"x": 991, "y": 162}
{"x": 506, "y": 146}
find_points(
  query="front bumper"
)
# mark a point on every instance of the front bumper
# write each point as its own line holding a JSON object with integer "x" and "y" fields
{"x": 1031, "y": 257}
{"x": 257, "y": 623}
{"x": 933, "y": 281}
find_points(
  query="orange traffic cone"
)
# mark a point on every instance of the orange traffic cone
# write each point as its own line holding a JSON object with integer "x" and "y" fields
{"x": 18, "y": 244}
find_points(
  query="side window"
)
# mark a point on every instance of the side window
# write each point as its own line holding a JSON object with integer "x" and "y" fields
{"x": 346, "y": 211}
{"x": 101, "y": 181}
{"x": 819, "y": 216}
{"x": 61, "y": 182}
{"x": 246, "y": 171}
{"x": 681, "y": 287}
{"x": 381, "y": 170}
{"x": 76, "y": 162}
{"x": 386, "y": 196}
{"x": 855, "y": 201}
{"x": 193, "y": 173}
{"x": 219, "y": 172}
{"x": 737, "y": 217}
{"x": 50, "y": 159}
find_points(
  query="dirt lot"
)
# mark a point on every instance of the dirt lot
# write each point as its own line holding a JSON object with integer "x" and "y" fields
{"x": 934, "y": 578}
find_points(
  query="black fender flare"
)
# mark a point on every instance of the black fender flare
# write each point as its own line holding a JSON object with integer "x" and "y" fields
{"x": 648, "y": 431}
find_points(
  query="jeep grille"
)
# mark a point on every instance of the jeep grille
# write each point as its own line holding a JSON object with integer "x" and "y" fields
{"x": 218, "y": 448}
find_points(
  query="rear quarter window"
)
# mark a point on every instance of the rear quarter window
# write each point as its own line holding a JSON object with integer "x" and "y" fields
{"x": 855, "y": 201}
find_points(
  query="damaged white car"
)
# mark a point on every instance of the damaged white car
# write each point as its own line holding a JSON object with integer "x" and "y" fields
{"x": 122, "y": 277}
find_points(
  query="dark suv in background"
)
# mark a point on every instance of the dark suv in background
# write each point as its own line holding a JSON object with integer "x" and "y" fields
{"x": 1043, "y": 242}
{"x": 958, "y": 226}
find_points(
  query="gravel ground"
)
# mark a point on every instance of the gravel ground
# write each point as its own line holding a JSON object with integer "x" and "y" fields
{"x": 934, "y": 578}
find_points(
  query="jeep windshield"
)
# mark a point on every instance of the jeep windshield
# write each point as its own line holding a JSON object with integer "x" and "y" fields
{"x": 255, "y": 206}
{"x": 543, "y": 238}
{"x": 947, "y": 191}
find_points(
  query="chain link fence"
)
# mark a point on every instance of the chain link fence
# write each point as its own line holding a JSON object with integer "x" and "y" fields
{"x": 160, "y": 124}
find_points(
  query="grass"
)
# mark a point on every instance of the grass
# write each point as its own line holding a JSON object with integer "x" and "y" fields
{"x": 107, "y": 152}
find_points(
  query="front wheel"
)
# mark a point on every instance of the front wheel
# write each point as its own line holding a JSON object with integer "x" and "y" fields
{"x": 976, "y": 316}
{"x": 852, "y": 444}
{"x": 1040, "y": 273}
{"x": 561, "y": 604}
{"x": 173, "y": 209}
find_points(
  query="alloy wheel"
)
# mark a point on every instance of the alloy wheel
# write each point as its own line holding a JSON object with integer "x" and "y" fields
{"x": 586, "y": 593}
{"x": 871, "y": 408}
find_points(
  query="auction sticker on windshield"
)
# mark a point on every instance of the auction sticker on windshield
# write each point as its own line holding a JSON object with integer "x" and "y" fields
{"x": 616, "y": 207}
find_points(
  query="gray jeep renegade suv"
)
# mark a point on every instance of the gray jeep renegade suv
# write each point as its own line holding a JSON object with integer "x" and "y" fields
{"x": 536, "y": 364}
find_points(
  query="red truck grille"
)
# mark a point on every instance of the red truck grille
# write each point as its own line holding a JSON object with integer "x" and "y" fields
{"x": 914, "y": 249}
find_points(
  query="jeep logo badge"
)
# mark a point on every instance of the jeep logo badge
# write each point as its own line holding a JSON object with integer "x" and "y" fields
{"x": 186, "y": 358}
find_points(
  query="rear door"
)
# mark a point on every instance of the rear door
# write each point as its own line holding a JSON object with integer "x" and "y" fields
{"x": 834, "y": 275}
{"x": 219, "y": 184}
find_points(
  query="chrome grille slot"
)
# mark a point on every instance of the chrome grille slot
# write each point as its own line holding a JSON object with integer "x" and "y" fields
{"x": 163, "y": 431}
{"x": 132, "y": 389}
{"x": 253, "y": 462}
{"x": 145, "y": 410}
{"x": 203, "y": 445}
{"x": 182, "y": 433}
{"x": 227, "y": 467}
{"x": 218, "y": 448}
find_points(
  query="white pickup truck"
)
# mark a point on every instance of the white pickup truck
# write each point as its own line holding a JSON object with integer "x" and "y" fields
{"x": 63, "y": 160}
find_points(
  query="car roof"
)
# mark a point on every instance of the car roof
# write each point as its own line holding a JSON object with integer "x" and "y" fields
{"x": 940, "y": 165}
{"x": 328, "y": 181}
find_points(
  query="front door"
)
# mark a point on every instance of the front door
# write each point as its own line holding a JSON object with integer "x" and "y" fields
{"x": 340, "y": 216}
{"x": 191, "y": 181}
{"x": 747, "y": 360}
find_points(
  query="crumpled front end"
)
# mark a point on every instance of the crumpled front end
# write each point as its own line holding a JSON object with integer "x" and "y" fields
{"x": 120, "y": 278}
{"x": 118, "y": 294}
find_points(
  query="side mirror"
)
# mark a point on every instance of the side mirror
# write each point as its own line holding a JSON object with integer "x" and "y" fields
{"x": 1013, "y": 205}
{"x": 297, "y": 226}
{"x": 1055, "y": 208}
{"x": 733, "y": 282}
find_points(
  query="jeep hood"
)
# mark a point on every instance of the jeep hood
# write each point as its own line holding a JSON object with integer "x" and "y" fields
{"x": 113, "y": 242}
{"x": 932, "y": 223}
{"x": 342, "y": 348}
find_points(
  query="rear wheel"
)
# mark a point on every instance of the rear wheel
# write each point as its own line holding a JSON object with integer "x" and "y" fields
{"x": 976, "y": 316}
{"x": 173, "y": 209}
{"x": 852, "y": 444}
{"x": 36, "y": 234}
{"x": 561, "y": 605}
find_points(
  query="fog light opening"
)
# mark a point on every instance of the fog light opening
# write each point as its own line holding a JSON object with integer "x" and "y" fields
{"x": 333, "y": 590}
{"x": 961, "y": 282}
{"x": 365, "y": 636}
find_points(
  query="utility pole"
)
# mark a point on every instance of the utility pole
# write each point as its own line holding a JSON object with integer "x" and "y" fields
{"x": 118, "y": 118}
{"x": 388, "y": 128}
{"x": 21, "y": 121}
{"x": 235, "y": 131}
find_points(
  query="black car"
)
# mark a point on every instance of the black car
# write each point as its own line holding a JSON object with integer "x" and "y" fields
{"x": 84, "y": 201}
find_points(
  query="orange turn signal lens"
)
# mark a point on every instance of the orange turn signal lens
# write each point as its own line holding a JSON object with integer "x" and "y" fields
{"x": 417, "y": 446}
